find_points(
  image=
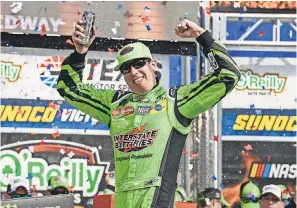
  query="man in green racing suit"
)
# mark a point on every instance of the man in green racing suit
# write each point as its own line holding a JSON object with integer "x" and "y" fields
{"x": 148, "y": 125}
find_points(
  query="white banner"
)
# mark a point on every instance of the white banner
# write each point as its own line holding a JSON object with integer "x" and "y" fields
{"x": 266, "y": 83}
{"x": 34, "y": 75}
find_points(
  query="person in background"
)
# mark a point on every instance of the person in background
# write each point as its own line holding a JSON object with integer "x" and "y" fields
{"x": 110, "y": 183}
{"x": 181, "y": 195}
{"x": 271, "y": 197}
{"x": 249, "y": 195}
{"x": 58, "y": 185}
{"x": 288, "y": 199}
{"x": 210, "y": 198}
{"x": 18, "y": 187}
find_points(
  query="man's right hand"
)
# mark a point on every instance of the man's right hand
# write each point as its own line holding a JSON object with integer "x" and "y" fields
{"x": 77, "y": 34}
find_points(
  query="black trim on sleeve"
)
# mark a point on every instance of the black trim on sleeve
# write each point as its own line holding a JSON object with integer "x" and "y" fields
{"x": 76, "y": 57}
{"x": 205, "y": 40}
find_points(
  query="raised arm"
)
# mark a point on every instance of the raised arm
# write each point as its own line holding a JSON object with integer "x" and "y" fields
{"x": 84, "y": 97}
{"x": 193, "y": 99}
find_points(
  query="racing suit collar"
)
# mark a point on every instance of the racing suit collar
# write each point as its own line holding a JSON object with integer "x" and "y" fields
{"x": 157, "y": 91}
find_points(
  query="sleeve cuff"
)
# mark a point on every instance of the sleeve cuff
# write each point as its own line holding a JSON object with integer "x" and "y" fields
{"x": 77, "y": 57}
{"x": 205, "y": 40}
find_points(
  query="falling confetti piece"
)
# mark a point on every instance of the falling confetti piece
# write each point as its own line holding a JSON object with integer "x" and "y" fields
{"x": 117, "y": 24}
{"x": 221, "y": 185}
{"x": 69, "y": 42}
{"x": 236, "y": 4}
{"x": 185, "y": 151}
{"x": 207, "y": 10}
{"x": 18, "y": 22}
{"x": 248, "y": 147}
{"x": 114, "y": 30}
{"x": 147, "y": 9}
{"x": 216, "y": 138}
{"x": 31, "y": 149}
{"x": 62, "y": 151}
{"x": 291, "y": 34}
{"x": 30, "y": 176}
{"x": 20, "y": 112}
{"x": 240, "y": 18}
{"x": 99, "y": 147}
{"x": 43, "y": 30}
{"x": 261, "y": 33}
{"x": 258, "y": 112}
{"x": 252, "y": 106}
{"x": 145, "y": 19}
{"x": 120, "y": 5}
{"x": 190, "y": 166}
{"x": 18, "y": 148}
{"x": 67, "y": 170}
{"x": 56, "y": 135}
{"x": 110, "y": 51}
{"x": 254, "y": 19}
{"x": 213, "y": 178}
{"x": 71, "y": 154}
{"x": 148, "y": 28}
{"x": 54, "y": 106}
{"x": 49, "y": 66}
{"x": 195, "y": 155}
{"x": 78, "y": 12}
{"x": 269, "y": 158}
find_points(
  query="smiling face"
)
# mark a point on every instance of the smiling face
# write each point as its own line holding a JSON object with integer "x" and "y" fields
{"x": 271, "y": 201}
{"x": 141, "y": 80}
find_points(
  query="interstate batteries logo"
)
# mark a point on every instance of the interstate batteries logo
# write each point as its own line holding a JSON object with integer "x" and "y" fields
{"x": 273, "y": 170}
{"x": 135, "y": 140}
{"x": 268, "y": 81}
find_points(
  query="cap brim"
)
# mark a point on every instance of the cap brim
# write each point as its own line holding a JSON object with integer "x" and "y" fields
{"x": 250, "y": 205}
{"x": 269, "y": 193}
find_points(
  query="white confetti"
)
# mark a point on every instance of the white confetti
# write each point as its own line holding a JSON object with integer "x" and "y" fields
{"x": 93, "y": 149}
{"x": 114, "y": 30}
{"x": 94, "y": 122}
{"x": 117, "y": 24}
{"x": 17, "y": 6}
{"x": 237, "y": 4}
{"x": 99, "y": 147}
{"x": 291, "y": 34}
{"x": 71, "y": 154}
{"x": 31, "y": 148}
{"x": 190, "y": 166}
{"x": 62, "y": 151}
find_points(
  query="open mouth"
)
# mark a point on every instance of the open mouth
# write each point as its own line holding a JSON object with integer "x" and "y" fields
{"x": 138, "y": 80}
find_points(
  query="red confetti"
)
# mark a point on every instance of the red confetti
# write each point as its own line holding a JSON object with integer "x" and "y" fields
{"x": 18, "y": 22}
{"x": 18, "y": 148}
{"x": 78, "y": 12}
{"x": 248, "y": 147}
{"x": 185, "y": 151}
{"x": 20, "y": 112}
{"x": 110, "y": 50}
{"x": 97, "y": 123}
{"x": 43, "y": 30}
{"x": 56, "y": 135}
{"x": 207, "y": 9}
{"x": 269, "y": 158}
{"x": 195, "y": 155}
{"x": 145, "y": 19}
{"x": 68, "y": 112}
{"x": 69, "y": 42}
{"x": 67, "y": 170}
{"x": 90, "y": 77}
{"x": 93, "y": 64}
{"x": 261, "y": 33}
{"x": 216, "y": 138}
{"x": 33, "y": 133}
{"x": 54, "y": 106}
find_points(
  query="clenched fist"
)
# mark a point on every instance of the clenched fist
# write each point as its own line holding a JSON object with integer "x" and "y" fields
{"x": 79, "y": 33}
{"x": 188, "y": 29}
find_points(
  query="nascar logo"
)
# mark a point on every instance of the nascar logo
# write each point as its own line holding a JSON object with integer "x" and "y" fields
{"x": 273, "y": 170}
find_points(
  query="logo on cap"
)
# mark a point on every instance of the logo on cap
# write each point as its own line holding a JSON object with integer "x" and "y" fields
{"x": 126, "y": 50}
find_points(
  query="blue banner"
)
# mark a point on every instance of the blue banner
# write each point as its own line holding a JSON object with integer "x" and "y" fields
{"x": 259, "y": 122}
{"x": 44, "y": 114}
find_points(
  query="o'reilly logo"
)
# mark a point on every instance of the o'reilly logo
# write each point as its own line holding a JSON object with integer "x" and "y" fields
{"x": 10, "y": 71}
{"x": 268, "y": 81}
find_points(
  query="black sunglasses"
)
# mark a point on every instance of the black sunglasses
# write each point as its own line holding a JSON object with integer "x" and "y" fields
{"x": 136, "y": 63}
{"x": 247, "y": 199}
{"x": 13, "y": 196}
{"x": 56, "y": 192}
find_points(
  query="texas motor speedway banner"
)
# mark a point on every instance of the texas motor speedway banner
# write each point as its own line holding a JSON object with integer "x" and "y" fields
{"x": 33, "y": 73}
{"x": 82, "y": 159}
{"x": 262, "y": 162}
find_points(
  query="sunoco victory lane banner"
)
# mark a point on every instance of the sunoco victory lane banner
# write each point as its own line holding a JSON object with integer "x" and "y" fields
{"x": 262, "y": 162}
{"x": 33, "y": 73}
{"x": 82, "y": 159}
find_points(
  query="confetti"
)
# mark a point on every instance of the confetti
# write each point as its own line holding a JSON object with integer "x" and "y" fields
{"x": 216, "y": 138}
{"x": 69, "y": 42}
{"x": 62, "y": 151}
{"x": 254, "y": 19}
{"x": 258, "y": 112}
{"x": 221, "y": 185}
{"x": 31, "y": 149}
{"x": 213, "y": 178}
{"x": 147, "y": 9}
{"x": 17, "y": 6}
{"x": 240, "y": 18}
{"x": 110, "y": 50}
{"x": 190, "y": 166}
{"x": 117, "y": 24}
{"x": 67, "y": 170}
{"x": 43, "y": 30}
{"x": 207, "y": 10}
{"x": 236, "y": 4}
{"x": 148, "y": 28}
{"x": 18, "y": 22}
{"x": 56, "y": 135}
{"x": 291, "y": 34}
{"x": 195, "y": 155}
{"x": 54, "y": 106}
{"x": 18, "y": 148}
{"x": 128, "y": 14}
{"x": 48, "y": 67}
{"x": 185, "y": 151}
{"x": 20, "y": 112}
{"x": 120, "y": 5}
{"x": 252, "y": 106}
{"x": 268, "y": 158}
{"x": 248, "y": 147}
{"x": 114, "y": 30}
{"x": 30, "y": 176}
{"x": 99, "y": 147}
{"x": 78, "y": 12}
{"x": 261, "y": 33}
{"x": 85, "y": 130}
{"x": 145, "y": 19}
{"x": 71, "y": 154}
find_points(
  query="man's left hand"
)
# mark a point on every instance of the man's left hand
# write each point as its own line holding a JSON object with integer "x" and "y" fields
{"x": 188, "y": 29}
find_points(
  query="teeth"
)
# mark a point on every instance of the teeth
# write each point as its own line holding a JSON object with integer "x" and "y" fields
{"x": 138, "y": 80}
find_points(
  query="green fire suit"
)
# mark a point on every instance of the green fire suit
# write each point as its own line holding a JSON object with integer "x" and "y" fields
{"x": 149, "y": 132}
